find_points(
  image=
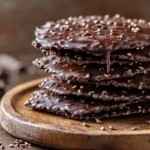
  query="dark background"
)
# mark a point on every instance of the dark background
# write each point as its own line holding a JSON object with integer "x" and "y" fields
{"x": 18, "y": 18}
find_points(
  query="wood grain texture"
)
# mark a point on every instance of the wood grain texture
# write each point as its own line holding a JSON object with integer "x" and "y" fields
{"x": 53, "y": 131}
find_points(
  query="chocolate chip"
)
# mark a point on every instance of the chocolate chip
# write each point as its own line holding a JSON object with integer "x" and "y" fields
{"x": 2, "y": 147}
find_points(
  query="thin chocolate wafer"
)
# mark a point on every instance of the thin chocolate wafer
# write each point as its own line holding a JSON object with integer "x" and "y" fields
{"x": 82, "y": 73}
{"x": 81, "y": 109}
{"x": 101, "y": 93}
{"x": 140, "y": 82}
{"x": 121, "y": 57}
{"x": 91, "y": 61}
{"x": 100, "y": 66}
{"x": 93, "y": 34}
{"x": 128, "y": 55}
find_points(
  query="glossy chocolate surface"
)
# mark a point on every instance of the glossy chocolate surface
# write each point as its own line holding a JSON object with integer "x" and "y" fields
{"x": 90, "y": 72}
{"x": 81, "y": 108}
{"x": 93, "y": 34}
{"x": 99, "y": 93}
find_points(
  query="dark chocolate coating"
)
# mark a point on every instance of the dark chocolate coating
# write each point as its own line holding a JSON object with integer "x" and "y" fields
{"x": 84, "y": 73}
{"x": 141, "y": 82}
{"x": 82, "y": 109}
{"x": 85, "y": 61}
{"x": 93, "y": 34}
{"x": 121, "y": 57}
{"x": 100, "y": 93}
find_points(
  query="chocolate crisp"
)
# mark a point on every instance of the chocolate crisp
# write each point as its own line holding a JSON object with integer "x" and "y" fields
{"x": 99, "y": 67}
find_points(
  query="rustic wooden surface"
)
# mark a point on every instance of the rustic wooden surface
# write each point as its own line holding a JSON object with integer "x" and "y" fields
{"x": 54, "y": 131}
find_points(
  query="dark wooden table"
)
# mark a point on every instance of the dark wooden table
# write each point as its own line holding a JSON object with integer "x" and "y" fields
{"x": 16, "y": 79}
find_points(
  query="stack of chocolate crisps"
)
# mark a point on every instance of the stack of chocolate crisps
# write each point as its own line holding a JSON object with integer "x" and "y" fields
{"x": 99, "y": 67}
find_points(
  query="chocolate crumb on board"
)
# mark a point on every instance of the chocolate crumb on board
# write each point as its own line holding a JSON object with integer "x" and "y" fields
{"x": 148, "y": 121}
{"x": 20, "y": 143}
{"x": 98, "y": 121}
{"x": 112, "y": 127}
{"x": 85, "y": 124}
{"x": 102, "y": 128}
{"x": 11, "y": 145}
{"x": 136, "y": 128}
{"x": 2, "y": 147}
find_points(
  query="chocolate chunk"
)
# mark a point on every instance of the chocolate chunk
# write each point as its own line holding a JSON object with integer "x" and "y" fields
{"x": 82, "y": 109}
{"x": 10, "y": 63}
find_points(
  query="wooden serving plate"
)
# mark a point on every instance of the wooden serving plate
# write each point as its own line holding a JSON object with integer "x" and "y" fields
{"x": 54, "y": 131}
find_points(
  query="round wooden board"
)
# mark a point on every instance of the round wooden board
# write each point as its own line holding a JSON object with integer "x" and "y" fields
{"x": 54, "y": 131}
